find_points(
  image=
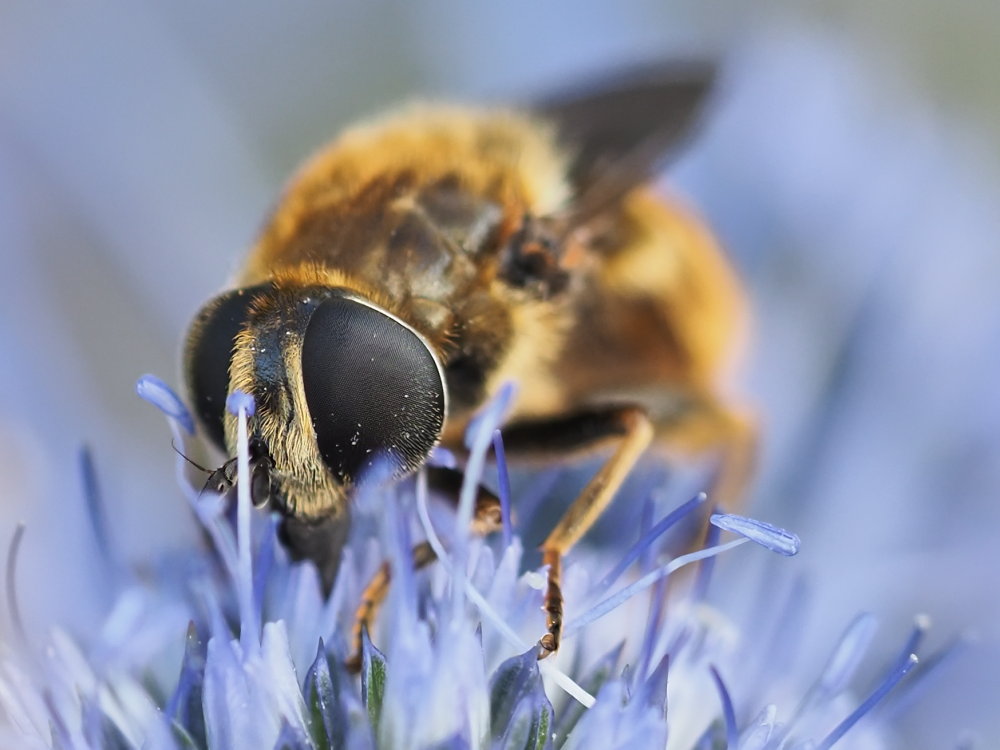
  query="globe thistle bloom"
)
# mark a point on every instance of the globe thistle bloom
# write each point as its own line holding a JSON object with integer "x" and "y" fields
{"x": 234, "y": 646}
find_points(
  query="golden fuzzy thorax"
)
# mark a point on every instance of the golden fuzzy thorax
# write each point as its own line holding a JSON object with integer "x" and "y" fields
{"x": 506, "y": 156}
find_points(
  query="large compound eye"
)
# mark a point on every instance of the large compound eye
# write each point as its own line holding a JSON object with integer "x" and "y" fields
{"x": 208, "y": 353}
{"x": 373, "y": 387}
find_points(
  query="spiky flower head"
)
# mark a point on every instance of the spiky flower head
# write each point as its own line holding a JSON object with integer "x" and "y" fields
{"x": 234, "y": 646}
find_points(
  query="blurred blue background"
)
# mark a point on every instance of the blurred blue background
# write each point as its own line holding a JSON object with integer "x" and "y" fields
{"x": 850, "y": 168}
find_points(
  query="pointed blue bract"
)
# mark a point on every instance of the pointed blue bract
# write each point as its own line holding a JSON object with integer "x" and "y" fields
{"x": 323, "y": 710}
{"x": 653, "y": 690}
{"x": 373, "y": 676}
{"x": 520, "y": 712}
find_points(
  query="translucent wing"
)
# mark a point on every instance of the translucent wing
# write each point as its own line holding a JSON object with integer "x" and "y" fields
{"x": 622, "y": 131}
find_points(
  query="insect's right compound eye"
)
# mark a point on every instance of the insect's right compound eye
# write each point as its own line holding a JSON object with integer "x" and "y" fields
{"x": 374, "y": 388}
{"x": 208, "y": 353}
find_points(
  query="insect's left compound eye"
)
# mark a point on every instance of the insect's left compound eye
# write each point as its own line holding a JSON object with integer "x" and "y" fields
{"x": 375, "y": 390}
{"x": 209, "y": 351}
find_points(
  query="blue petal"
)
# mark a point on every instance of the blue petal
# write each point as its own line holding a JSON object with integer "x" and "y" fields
{"x": 159, "y": 394}
{"x": 728, "y": 712}
{"x": 760, "y": 532}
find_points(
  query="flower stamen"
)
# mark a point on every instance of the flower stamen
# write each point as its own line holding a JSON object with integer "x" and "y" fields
{"x": 897, "y": 673}
{"x": 242, "y": 405}
{"x": 728, "y": 712}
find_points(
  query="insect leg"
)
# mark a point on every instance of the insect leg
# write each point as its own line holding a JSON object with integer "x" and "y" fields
{"x": 372, "y": 598}
{"x": 632, "y": 426}
{"x": 486, "y": 519}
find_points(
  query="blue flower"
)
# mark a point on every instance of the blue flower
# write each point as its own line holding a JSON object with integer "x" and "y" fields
{"x": 233, "y": 646}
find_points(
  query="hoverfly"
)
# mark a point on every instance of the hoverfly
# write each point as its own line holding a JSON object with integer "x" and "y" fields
{"x": 423, "y": 259}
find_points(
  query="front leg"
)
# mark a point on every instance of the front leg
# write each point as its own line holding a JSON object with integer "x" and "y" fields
{"x": 632, "y": 428}
{"x": 486, "y": 519}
